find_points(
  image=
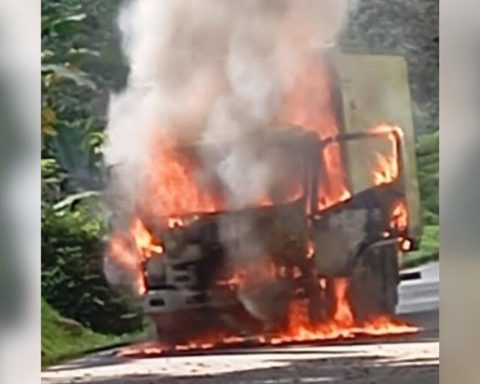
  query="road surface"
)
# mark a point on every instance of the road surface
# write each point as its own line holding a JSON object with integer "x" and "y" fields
{"x": 398, "y": 360}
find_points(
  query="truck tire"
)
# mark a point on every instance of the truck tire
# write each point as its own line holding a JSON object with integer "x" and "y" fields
{"x": 373, "y": 288}
{"x": 391, "y": 278}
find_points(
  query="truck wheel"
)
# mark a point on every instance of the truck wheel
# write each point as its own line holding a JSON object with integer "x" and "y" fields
{"x": 373, "y": 288}
{"x": 391, "y": 279}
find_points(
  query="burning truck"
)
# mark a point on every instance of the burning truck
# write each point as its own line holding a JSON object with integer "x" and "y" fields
{"x": 314, "y": 255}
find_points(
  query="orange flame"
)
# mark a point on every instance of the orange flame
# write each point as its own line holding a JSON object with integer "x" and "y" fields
{"x": 343, "y": 313}
{"x": 122, "y": 253}
{"x": 399, "y": 216}
{"x": 173, "y": 187}
{"x": 342, "y": 326}
{"x": 131, "y": 250}
{"x": 144, "y": 240}
{"x": 310, "y": 249}
{"x": 309, "y": 105}
{"x": 387, "y": 169}
{"x": 173, "y": 222}
{"x": 405, "y": 245}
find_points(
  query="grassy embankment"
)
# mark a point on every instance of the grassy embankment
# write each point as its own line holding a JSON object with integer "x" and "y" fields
{"x": 63, "y": 338}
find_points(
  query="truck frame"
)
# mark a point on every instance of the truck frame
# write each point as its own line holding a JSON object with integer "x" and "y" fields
{"x": 193, "y": 287}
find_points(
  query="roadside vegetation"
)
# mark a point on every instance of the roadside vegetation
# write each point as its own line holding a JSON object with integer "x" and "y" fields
{"x": 80, "y": 311}
{"x": 64, "y": 338}
{"x": 428, "y": 178}
{"x": 429, "y": 248}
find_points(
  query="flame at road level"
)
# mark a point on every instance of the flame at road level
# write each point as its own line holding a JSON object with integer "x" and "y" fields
{"x": 342, "y": 326}
{"x": 377, "y": 327}
{"x": 343, "y": 313}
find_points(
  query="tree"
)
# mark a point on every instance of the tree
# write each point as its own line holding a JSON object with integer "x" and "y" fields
{"x": 79, "y": 67}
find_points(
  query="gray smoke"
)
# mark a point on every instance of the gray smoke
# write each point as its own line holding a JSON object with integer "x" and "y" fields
{"x": 212, "y": 71}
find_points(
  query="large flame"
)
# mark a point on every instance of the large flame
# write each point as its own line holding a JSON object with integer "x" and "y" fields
{"x": 243, "y": 89}
{"x": 386, "y": 169}
{"x": 399, "y": 216}
{"x": 309, "y": 105}
{"x": 342, "y": 326}
{"x": 130, "y": 250}
{"x": 174, "y": 189}
{"x": 144, "y": 240}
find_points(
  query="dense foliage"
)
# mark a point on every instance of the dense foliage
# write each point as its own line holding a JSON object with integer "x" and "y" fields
{"x": 78, "y": 49}
{"x": 63, "y": 338}
{"x": 427, "y": 159}
{"x": 72, "y": 276}
{"x": 77, "y": 41}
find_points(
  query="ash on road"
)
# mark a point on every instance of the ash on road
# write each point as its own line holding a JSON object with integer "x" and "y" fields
{"x": 398, "y": 360}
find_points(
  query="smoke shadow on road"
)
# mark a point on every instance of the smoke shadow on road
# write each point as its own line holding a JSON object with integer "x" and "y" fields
{"x": 334, "y": 369}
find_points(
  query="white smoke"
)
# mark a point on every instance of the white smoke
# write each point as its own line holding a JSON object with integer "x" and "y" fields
{"x": 214, "y": 71}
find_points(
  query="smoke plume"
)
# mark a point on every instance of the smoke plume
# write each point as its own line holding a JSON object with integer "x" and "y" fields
{"x": 213, "y": 72}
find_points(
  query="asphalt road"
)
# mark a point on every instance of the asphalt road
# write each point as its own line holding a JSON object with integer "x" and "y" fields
{"x": 397, "y": 360}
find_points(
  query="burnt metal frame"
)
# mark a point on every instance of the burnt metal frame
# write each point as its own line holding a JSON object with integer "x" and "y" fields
{"x": 319, "y": 169}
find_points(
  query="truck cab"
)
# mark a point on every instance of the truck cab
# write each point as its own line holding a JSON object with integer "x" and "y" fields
{"x": 342, "y": 206}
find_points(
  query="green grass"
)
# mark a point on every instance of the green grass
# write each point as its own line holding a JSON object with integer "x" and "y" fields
{"x": 429, "y": 248}
{"x": 63, "y": 339}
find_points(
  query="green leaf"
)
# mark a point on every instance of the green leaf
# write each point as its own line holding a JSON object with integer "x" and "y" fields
{"x": 71, "y": 199}
{"x": 83, "y": 51}
{"x": 47, "y": 54}
{"x": 67, "y": 25}
{"x": 79, "y": 17}
{"x": 49, "y": 119}
{"x": 63, "y": 71}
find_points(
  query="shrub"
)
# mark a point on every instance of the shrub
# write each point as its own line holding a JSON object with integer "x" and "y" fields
{"x": 72, "y": 273}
